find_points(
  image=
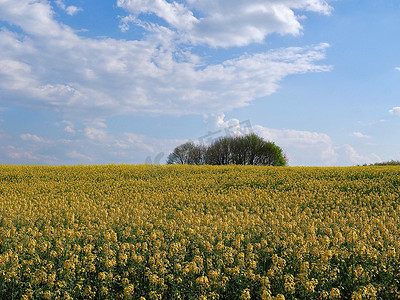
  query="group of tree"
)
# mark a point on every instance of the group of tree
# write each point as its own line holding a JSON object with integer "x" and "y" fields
{"x": 238, "y": 150}
{"x": 385, "y": 163}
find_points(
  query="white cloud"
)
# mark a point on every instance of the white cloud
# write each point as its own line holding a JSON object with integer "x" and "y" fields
{"x": 70, "y": 10}
{"x": 70, "y": 127}
{"x": 356, "y": 158}
{"x": 224, "y": 23}
{"x": 96, "y": 134}
{"x": 33, "y": 138}
{"x": 73, "y": 10}
{"x": 398, "y": 68}
{"x": 313, "y": 148}
{"x": 133, "y": 147}
{"x": 217, "y": 127}
{"x": 302, "y": 147}
{"x": 96, "y": 130}
{"x": 97, "y": 144}
{"x": 84, "y": 77}
{"x": 34, "y": 17}
{"x": 19, "y": 154}
{"x": 47, "y": 64}
{"x": 395, "y": 111}
{"x": 360, "y": 135}
{"x": 14, "y": 75}
{"x": 176, "y": 14}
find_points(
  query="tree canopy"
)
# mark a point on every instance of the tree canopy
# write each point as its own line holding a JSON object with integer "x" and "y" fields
{"x": 240, "y": 150}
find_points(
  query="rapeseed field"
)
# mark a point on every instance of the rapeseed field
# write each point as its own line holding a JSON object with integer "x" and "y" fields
{"x": 199, "y": 232}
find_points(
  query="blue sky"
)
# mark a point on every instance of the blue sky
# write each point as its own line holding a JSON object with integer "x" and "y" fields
{"x": 125, "y": 81}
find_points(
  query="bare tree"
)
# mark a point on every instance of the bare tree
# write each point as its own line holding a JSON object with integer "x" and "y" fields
{"x": 188, "y": 153}
{"x": 181, "y": 154}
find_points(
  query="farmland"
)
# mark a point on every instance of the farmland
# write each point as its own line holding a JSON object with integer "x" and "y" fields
{"x": 199, "y": 232}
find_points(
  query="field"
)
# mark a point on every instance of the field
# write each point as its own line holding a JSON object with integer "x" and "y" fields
{"x": 199, "y": 232}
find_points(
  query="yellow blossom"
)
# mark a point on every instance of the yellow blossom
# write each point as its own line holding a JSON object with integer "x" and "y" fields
{"x": 128, "y": 290}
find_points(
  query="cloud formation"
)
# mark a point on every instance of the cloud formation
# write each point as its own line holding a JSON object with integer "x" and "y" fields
{"x": 48, "y": 64}
{"x": 33, "y": 137}
{"x": 70, "y": 10}
{"x": 360, "y": 135}
{"x": 93, "y": 143}
{"x": 223, "y": 23}
{"x": 302, "y": 147}
{"x": 395, "y": 111}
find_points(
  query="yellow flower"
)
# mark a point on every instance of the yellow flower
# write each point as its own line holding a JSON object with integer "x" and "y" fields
{"x": 102, "y": 276}
{"x": 128, "y": 290}
{"x": 245, "y": 295}
{"x": 153, "y": 295}
{"x": 110, "y": 263}
{"x": 125, "y": 281}
{"x": 289, "y": 284}
{"x": 310, "y": 285}
{"x": 104, "y": 290}
{"x": 334, "y": 293}
{"x": 203, "y": 226}
{"x": 266, "y": 295}
{"x": 47, "y": 295}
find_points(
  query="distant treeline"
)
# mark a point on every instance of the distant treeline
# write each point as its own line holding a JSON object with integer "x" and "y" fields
{"x": 386, "y": 163}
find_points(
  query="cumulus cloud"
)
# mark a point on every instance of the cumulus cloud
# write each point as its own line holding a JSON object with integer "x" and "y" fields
{"x": 104, "y": 77}
{"x": 222, "y": 23}
{"x": 302, "y": 147}
{"x": 314, "y": 148}
{"x": 70, "y": 10}
{"x": 217, "y": 126}
{"x": 305, "y": 148}
{"x": 395, "y": 111}
{"x": 176, "y": 14}
{"x": 49, "y": 65}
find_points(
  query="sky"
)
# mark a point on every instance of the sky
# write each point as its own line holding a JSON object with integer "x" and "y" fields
{"x": 126, "y": 81}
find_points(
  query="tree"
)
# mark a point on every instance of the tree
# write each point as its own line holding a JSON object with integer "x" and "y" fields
{"x": 271, "y": 155}
{"x": 187, "y": 153}
{"x": 219, "y": 152}
{"x": 241, "y": 150}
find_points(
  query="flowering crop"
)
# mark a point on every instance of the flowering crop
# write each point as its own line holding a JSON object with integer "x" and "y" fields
{"x": 199, "y": 232}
